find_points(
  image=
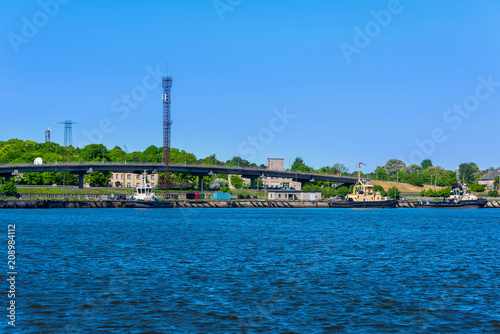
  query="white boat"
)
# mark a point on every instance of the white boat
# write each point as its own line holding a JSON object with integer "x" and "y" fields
{"x": 145, "y": 196}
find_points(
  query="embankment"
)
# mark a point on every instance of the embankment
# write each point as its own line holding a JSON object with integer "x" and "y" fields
{"x": 85, "y": 204}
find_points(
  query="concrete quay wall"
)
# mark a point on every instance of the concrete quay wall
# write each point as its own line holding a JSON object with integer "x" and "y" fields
{"x": 54, "y": 204}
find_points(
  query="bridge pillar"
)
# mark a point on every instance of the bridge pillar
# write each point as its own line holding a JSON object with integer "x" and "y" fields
{"x": 80, "y": 180}
{"x": 200, "y": 182}
{"x": 253, "y": 182}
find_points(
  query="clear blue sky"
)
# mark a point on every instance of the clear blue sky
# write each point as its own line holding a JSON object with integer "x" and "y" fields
{"x": 234, "y": 64}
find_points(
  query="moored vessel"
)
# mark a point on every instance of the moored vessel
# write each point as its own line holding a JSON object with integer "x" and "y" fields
{"x": 363, "y": 196}
{"x": 459, "y": 198}
{"x": 145, "y": 197}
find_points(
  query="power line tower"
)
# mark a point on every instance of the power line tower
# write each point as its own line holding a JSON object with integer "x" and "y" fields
{"x": 68, "y": 132}
{"x": 166, "y": 98}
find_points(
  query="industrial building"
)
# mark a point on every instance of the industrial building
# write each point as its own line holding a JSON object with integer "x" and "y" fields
{"x": 298, "y": 195}
{"x": 131, "y": 180}
{"x": 279, "y": 182}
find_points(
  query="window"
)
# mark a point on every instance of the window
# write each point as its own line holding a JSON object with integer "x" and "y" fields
{"x": 128, "y": 185}
{"x": 129, "y": 177}
{"x": 112, "y": 175}
{"x": 122, "y": 177}
{"x": 152, "y": 177}
{"x": 138, "y": 177}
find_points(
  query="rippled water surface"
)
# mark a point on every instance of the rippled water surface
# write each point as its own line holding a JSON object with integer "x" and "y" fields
{"x": 256, "y": 270}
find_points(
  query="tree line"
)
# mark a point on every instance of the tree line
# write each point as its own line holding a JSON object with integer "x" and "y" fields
{"x": 25, "y": 151}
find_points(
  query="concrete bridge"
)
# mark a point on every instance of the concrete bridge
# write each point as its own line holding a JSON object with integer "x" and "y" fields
{"x": 253, "y": 174}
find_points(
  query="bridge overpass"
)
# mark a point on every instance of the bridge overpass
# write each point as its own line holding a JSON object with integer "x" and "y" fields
{"x": 83, "y": 168}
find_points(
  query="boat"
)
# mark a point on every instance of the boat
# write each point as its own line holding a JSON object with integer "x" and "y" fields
{"x": 459, "y": 198}
{"x": 145, "y": 197}
{"x": 363, "y": 196}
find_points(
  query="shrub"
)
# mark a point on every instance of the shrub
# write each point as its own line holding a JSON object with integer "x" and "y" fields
{"x": 445, "y": 192}
{"x": 430, "y": 193}
{"x": 476, "y": 187}
{"x": 493, "y": 193}
{"x": 236, "y": 181}
{"x": 393, "y": 192}
{"x": 328, "y": 192}
{"x": 9, "y": 189}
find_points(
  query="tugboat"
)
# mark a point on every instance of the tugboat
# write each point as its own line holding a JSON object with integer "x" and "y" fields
{"x": 145, "y": 197}
{"x": 363, "y": 196}
{"x": 459, "y": 198}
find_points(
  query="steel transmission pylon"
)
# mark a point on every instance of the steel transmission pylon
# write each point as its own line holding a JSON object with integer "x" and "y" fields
{"x": 167, "y": 122}
{"x": 68, "y": 132}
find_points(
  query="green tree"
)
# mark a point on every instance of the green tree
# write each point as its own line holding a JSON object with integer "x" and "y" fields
{"x": 393, "y": 166}
{"x": 414, "y": 180}
{"x": 304, "y": 169}
{"x": 94, "y": 152}
{"x": 98, "y": 179}
{"x": 236, "y": 181}
{"x": 237, "y": 161}
{"x": 9, "y": 189}
{"x": 469, "y": 172}
{"x": 117, "y": 154}
{"x": 426, "y": 163}
{"x": 416, "y": 168}
{"x": 153, "y": 154}
{"x": 340, "y": 167}
{"x": 380, "y": 173}
{"x": 311, "y": 187}
{"x": 327, "y": 192}
{"x": 211, "y": 160}
{"x": 342, "y": 191}
{"x": 297, "y": 164}
{"x": 378, "y": 188}
{"x": 496, "y": 181}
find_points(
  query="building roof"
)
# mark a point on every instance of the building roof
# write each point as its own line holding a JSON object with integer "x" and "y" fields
{"x": 490, "y": 175}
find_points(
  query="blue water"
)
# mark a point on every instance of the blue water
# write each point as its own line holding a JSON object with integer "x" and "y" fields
{"x": 255, "y": 271}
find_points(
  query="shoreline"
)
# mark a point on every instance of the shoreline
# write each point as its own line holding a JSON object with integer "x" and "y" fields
{"x": 100, "y": 204}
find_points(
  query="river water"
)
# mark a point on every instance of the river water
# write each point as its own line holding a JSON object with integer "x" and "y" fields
{"x": 255, "y": 271}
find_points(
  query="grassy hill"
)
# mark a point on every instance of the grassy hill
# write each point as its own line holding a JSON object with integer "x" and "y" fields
{"x": 403, "y": 187}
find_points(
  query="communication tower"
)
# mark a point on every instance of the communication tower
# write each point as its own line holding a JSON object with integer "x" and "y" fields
{"x": 68, "y": 132}
{"x": 47, "y": 135}
{"x": 166, "y": 99}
